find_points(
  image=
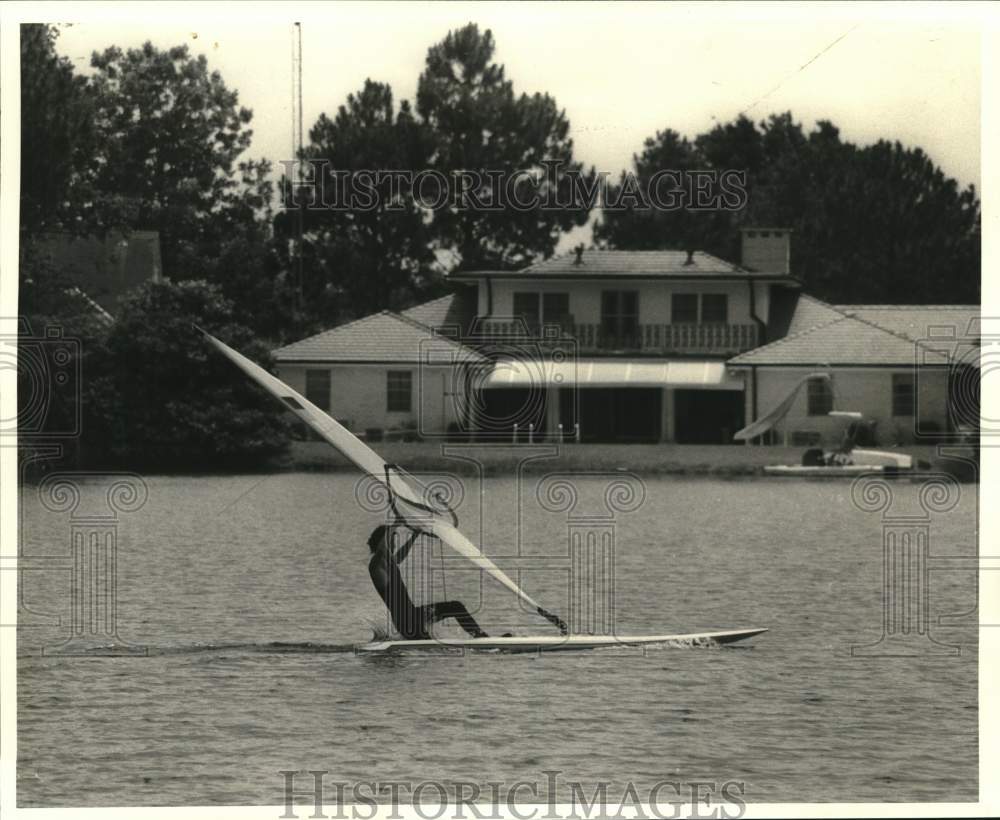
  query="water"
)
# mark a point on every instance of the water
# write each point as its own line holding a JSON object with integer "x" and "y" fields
{"x": 244, "y": 589}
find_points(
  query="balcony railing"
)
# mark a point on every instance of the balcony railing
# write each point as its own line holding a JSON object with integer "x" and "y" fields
{"x": 653, "y": 338}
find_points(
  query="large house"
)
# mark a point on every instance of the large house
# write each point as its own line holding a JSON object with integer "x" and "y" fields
{"x": 643, "y": 346}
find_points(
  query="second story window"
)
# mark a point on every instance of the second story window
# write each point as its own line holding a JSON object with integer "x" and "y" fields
{"x": 684, "y": 308}
{"x": 619, "y": 316}
{"x": 714, "y": 308}
{"x": 536, "y": 309}
{"x": 691, "y": 308}
{"x": 399, "y": 391}
{"x": 820, "y": 397}
{"x": 555, "y": 308}
{"x": 526, "y": 308}
{"x": 318, "y": 388}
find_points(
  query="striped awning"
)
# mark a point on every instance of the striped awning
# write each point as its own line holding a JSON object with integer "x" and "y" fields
{"x": 703, "y": 375}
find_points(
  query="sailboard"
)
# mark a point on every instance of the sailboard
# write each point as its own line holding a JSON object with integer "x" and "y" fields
{"x": 417, "y": 507}
{"x": 566, "y": 643}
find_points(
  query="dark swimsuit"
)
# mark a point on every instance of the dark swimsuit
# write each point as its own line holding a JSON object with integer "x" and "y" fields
{"x": 411, "y": 621}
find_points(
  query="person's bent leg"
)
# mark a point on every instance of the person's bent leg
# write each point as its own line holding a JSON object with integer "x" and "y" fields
{"x": 457, "y": 610}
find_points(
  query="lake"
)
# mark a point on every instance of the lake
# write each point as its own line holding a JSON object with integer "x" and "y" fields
{"x": 247, "y": 593}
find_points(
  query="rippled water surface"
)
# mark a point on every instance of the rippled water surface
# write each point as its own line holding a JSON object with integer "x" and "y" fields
{"x": 244, "y": 590}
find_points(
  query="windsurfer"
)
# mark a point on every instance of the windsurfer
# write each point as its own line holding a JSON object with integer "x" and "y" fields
{"x": 411, "y": 621}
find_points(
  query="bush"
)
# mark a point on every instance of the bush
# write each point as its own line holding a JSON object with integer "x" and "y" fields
{"x": 162, "y": 399}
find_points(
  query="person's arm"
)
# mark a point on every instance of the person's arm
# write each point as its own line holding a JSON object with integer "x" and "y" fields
{"x": 401, "y": 552}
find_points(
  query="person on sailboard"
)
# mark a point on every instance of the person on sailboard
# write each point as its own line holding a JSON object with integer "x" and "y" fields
{"x": 411, "y": 621}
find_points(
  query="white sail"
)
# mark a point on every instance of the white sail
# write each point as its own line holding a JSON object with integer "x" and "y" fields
{"x": 368, "y": 460}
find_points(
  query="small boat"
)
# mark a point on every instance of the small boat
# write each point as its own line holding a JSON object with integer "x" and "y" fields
{"x": 840, "y": 464}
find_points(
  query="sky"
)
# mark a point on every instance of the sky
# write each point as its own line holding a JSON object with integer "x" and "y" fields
{"x": 620, "y": 72}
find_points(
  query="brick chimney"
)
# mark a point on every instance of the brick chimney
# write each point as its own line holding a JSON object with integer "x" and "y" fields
{"x": 767, "y": 250}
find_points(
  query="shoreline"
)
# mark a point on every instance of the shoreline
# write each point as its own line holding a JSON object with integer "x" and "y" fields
{"x": 497, "y": 459}
{"x": 736, "y": 460}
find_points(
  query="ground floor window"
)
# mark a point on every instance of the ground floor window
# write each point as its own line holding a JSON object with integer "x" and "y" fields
{"x": 820, "y": 397}
{"x": 708, "y": 416}
{"x": 613, "y": 414}
{"x": 318, "y": 388}
{"x": 399, "y": 391}
{"x": 902, "y": 394}
{"x": 499, "y": 410}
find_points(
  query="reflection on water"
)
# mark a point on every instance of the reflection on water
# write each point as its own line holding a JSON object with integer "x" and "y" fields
{"x": 246, "y": 593}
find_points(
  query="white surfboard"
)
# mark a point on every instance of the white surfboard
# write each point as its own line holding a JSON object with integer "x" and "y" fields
{"x": 554, "y": 643}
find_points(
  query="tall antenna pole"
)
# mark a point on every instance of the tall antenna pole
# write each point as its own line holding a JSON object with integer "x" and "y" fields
{"x": 297, "y": 141}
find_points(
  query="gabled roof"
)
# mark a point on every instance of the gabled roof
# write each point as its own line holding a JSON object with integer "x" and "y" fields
{"x": 821, "y": 333}
{"x": 842, "y": 341}
{"x": 381, "y": 337}
{"x": 630, "y": 264}
{"x": 920, "y": 321}
{"x": 456, "y": 310}
{"x": 810, "y": 312}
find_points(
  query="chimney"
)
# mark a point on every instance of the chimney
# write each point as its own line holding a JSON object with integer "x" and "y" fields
{"x": 767, "y": 250}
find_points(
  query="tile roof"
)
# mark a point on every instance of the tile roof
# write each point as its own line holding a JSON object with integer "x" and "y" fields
{"x": 920, "y": 321}
{"x": 381, "y": 337}
{"x": 810, "y": 312}
{"x": 820, "y": 333}
{"x": 454, "y": 310}
{"x": 610, "y": 263}
{"x": 842, "y": 341}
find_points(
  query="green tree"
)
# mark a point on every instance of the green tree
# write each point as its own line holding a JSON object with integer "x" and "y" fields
{"x": 362, "y": 259}
{"x": 56, "y": 135}
{"x": 880, "y": 223}
{"x": 170, "y": 134}
{"x": 627, "y": 225}
{"x": 479, "y": 125}
{"x": 164, "y": 400}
